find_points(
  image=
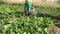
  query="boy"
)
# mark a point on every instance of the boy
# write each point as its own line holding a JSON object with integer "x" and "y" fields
{"x": 27, "y": 7}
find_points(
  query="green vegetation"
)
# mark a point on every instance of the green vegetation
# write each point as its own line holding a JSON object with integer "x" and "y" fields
{"x": 5, "y": 8}
{"x": 25, "y": 25}
{"x": 51, "y": 10}
{"x": 12, "y": 22}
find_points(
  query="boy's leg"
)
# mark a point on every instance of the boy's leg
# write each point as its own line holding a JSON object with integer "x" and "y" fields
{"x": 27, "y": 11}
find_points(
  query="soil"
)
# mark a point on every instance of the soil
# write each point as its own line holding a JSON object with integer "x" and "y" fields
{"x": 56, "y": 29}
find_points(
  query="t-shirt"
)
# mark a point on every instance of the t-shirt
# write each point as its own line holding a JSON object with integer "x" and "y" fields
{"x": 27, "y": 4}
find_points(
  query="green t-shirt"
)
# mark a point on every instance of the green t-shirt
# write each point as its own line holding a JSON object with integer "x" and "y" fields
{"x": 27, "y": 4}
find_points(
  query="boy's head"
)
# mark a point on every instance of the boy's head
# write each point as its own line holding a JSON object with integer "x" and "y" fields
{"x": 26, "y": 0}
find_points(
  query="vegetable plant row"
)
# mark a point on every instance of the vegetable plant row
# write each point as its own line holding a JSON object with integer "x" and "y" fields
{"x": 14, "y": 23}
{"x": 25, "y": 25}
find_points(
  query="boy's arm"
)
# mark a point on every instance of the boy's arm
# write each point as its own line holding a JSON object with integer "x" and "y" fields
{"x": 30, "y": 4}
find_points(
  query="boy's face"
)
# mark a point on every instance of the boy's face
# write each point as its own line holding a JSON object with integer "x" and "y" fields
{"x": 26, "y": 0}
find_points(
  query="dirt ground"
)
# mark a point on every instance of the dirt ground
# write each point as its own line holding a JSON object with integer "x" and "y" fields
{"x": 56, "y": 29}
{"x": 35, "y": 2}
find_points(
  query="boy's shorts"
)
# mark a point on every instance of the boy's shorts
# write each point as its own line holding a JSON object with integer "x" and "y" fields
{"x": 27, "y": 9}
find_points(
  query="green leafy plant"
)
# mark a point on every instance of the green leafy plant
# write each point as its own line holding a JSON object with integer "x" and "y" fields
{"x": 27, "y": 25}
{"x": 13, "y": 23}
